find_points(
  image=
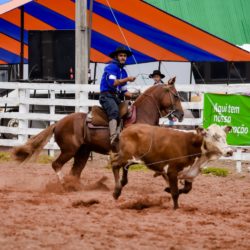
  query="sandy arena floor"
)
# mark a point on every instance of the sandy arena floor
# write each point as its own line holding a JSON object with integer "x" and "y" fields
{"x": 36, "y": 213}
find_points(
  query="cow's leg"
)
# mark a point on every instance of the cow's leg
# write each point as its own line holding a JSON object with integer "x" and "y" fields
{"x": 124, "y": 180}
{"x": 118, "y": 187}
{"x": 165, "y": 177}
{"x": 191, "y": 172}
{"x": 187, "y": 187}
{"x": 173, "y": 183}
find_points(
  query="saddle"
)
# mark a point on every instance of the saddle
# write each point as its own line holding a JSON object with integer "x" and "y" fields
{"x": 97, "y": 117}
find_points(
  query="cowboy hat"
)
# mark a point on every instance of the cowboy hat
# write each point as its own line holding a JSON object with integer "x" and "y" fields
{"x": 156, "y": 72}
{"x": 120, "y": 50}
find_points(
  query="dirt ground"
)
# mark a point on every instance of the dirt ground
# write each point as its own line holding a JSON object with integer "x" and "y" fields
{"x": 37, "y": 213}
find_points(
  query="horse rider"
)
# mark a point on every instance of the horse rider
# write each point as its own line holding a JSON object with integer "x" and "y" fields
{"x": 158, "y": 76}
{"x": 114, "y": 89}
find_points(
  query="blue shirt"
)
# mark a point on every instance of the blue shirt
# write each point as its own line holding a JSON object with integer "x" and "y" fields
{"x": 113, "y": 71}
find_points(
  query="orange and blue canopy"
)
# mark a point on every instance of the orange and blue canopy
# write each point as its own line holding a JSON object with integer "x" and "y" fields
{"x": 152, "y": 34}
{"x": 7, "y": 5}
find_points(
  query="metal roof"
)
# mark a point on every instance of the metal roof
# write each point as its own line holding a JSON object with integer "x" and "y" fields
{"x": 227, "y": 19}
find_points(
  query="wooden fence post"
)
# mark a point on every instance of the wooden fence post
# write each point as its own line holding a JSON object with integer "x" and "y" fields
{"x": 23, "y": 109}
{"x": 83, "y": 96}
{"x": 52, "y": 112}
{"x": 238, "y": 157}
{"x": 201, "y": 111}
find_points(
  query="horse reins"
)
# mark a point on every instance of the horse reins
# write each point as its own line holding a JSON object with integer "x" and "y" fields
{"x": 172, "y": 103}
{"x": 171, "y": 99}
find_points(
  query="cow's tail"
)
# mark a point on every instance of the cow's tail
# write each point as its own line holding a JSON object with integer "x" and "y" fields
{"x": 114, "y": 157}
{"x": 135, "y": 160}
{"x": 32, "y": 148}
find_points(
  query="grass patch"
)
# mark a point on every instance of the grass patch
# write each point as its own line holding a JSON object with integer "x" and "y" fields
{"x": 138, "y": 167}
{"x": 135, "y": 167}
{"x": 216, "y": 171}
{"x": 5, "y": 156}
{"x": 45, "y": 159}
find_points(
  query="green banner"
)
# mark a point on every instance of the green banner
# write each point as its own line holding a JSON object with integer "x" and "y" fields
{"x": 232, "y": 110}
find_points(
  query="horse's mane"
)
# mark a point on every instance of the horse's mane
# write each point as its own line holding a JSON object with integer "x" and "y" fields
{"x": 148, "y": 91}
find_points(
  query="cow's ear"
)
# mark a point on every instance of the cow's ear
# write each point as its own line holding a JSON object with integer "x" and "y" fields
{"x": 227, "y": 129}
{"x": 200, "y": 130}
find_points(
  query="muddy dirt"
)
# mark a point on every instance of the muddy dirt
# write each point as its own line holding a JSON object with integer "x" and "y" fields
{"x": 37, "y": 213}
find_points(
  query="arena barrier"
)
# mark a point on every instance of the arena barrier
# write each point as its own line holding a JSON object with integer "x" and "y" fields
{"x": 19, "y": 101}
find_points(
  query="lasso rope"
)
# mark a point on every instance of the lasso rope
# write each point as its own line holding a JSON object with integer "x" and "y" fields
{"x": 139, "y": 69}
{"x": 140, "y": 158}
{"x": 135, "y": 161}
{"x": 126, "y": 41}
{"x": 165, "y": 70}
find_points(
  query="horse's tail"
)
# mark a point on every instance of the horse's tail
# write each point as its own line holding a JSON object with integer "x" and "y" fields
{"x": 33, "y": 147}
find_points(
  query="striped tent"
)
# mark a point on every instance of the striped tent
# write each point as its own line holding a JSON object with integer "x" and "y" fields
{"x": 152, "y": 34}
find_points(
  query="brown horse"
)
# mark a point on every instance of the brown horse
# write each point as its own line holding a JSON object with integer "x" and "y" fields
{"x": 70, "y": 132}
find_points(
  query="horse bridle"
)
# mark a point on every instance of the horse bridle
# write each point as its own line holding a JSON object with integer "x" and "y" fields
{"x": 171, "y": 111}
{"x": 176, "y": 95}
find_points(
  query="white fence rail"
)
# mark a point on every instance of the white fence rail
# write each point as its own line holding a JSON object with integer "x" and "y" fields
{"x": 20, "y": 97}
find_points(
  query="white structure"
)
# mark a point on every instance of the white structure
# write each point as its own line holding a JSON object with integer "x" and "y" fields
{"x": 142, "y": 71}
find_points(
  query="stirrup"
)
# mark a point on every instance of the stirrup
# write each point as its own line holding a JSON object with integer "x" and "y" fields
{"x": 114, "y": 140}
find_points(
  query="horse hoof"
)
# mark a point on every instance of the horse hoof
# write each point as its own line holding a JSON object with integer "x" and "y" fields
{"x": 123, "y": 183}
{"x": 116, "y": 194}
{"x": 62, "y": 182}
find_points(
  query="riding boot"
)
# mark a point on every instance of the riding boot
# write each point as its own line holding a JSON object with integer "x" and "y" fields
{"x": 113, "y": 131}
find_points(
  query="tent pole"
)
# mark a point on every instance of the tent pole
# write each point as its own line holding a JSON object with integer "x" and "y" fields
{"x": 81, "y": 50}
{"x": 21, "y": 42}
{"x": 159, "y": 66}
{"x": 229, "y": 66}
{"x": 190, "y": 79}
{"x": 90, "y": 28}
{"x": 95, "y": 68}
